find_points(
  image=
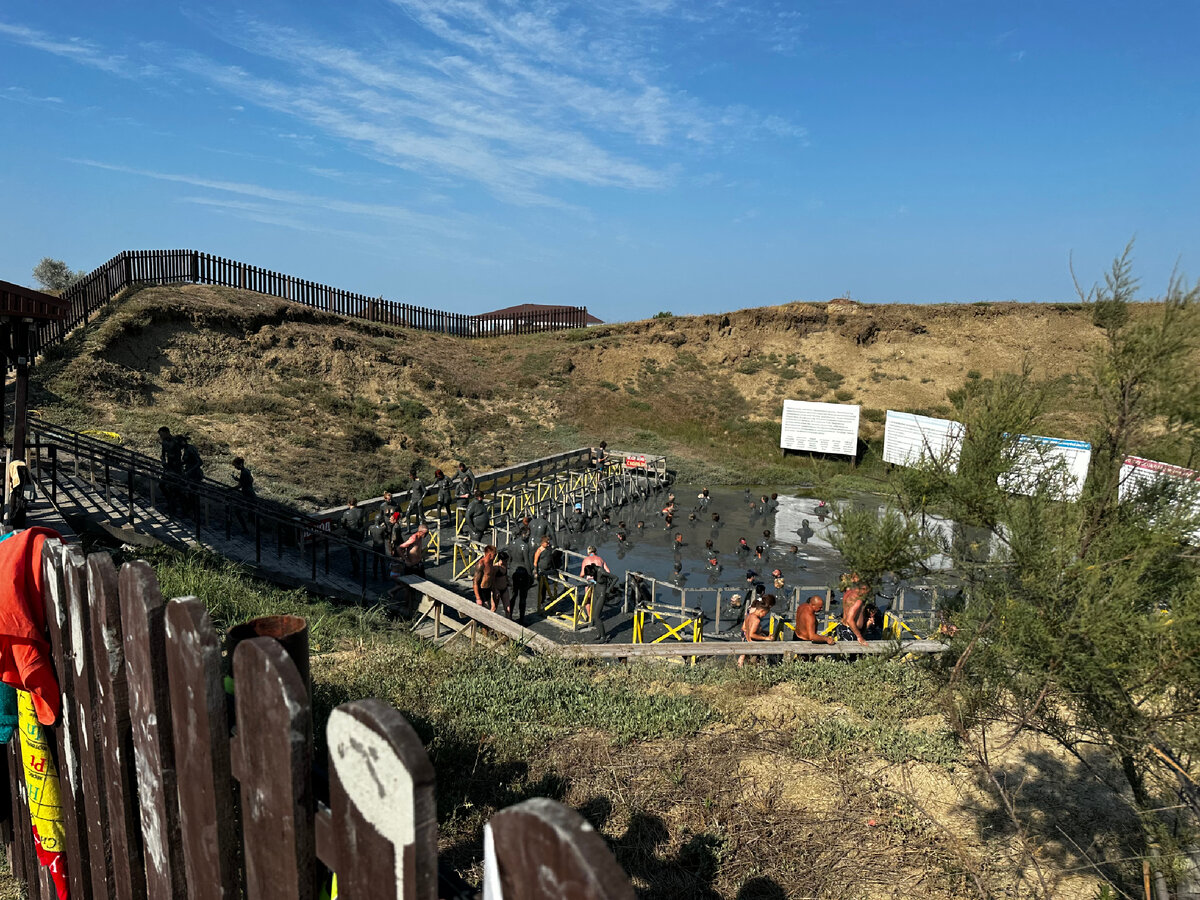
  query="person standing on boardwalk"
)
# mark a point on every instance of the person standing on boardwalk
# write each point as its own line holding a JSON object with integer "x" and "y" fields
{"x": 479, "y": 517}
{"x": 416, "y": 497}
{"x": 445, "y": 494}
{"x": 171, "y": 455}
{"x": 482, "y": 582}
{"x": 544, "y": 568}
{"x": 464, "y": 481}
{"x": 352, "y": 522}
{"x": 520, "y": 554}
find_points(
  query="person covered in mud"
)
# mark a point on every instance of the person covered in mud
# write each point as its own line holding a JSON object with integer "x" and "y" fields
{"x": 193, "y": 466}
{"x": 377, "y": 540}
{"x": 752, "y": 625}
{"x": 715, "y": 531}
{"x": 464, "y": 484}
{"x": 416, "y": 496}
{"x": 742, "y": 549}
{"x": 577, "y": 520}
{"x": 678, "y": 543}
{"x": 637, "y": 592}
{"x": 702, "y": 500}
{"x": 641, "y": 525}
{"x": 539, "y": 527}
{"x": 678, "y": 576}
{"x": 778, "y": 579}
{"x": 171, "y": 455}
{"x": 388, "y": 506}
{"x": 806, "y": 621}
{"x": 520, "y": 555}
{"x": 352, "y": 525}
{"x": 764, "y": 503}
{"x": 854, "y": 600}
{"x": 479, "y": 517}
{"x": 805, "y": 531}
{"x": 773, "y": 503}
{"x": 713, "y": 565}
{"x": 709, "y": 547}
{"x": 444, "y": 492}
{"x": 822, "y": 510}
{"x": 544, "y": 567}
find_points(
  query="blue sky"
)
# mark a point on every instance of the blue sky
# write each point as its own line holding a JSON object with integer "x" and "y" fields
{"x": 632, "y": 156}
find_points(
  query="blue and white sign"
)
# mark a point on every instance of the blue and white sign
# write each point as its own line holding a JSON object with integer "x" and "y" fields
{"x": 909, "y": 440}
{"x": 1053, "y": 464}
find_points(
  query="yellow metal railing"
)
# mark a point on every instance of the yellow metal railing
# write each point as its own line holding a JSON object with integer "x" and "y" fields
{"x": 693, "y": 619}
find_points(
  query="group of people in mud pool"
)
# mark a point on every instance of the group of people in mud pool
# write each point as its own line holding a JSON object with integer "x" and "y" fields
{"x": 504, "y": 577}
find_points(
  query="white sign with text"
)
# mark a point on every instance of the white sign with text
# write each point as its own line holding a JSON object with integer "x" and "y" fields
{"x": 820, "y": 427}
{"x": 1138, "y": 474}
{"x": 1057, "y": 464}
{"x": 909, "y": 439}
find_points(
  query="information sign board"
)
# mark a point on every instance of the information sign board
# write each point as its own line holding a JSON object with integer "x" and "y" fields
{"x": 819, "y": 427}
{"x": 1138, "y": 473}
{"x": 1058, "y": 464}
{"x": 908, "y": 439}
{"x": 635, "y": 461}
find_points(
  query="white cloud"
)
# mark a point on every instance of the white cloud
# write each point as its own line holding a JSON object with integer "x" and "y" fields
{"x": 75, "y": 49}
{"x": 293, "y": 199}
{"x": 529, "y": 100}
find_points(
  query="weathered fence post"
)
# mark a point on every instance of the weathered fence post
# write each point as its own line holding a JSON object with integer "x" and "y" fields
{"x": 272, "y": 760}
{"x": 66, "y": 739}
{"x": 380, "y": 835}
{"x": 200, "y": 723}
{"x": 86, "y": 719}
{"x": 116, "y": 737}
{"x": 540, "y": 850}
{"x": 142, "y": 614}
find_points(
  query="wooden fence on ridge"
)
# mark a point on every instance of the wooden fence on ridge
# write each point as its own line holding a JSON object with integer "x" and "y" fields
{"x": 170, "y": 788}
{"x": 131, "y": 267}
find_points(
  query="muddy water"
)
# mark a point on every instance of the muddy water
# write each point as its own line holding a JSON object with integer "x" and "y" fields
{"x": 797, "y": 543}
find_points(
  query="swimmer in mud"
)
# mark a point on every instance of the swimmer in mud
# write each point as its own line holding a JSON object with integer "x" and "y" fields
{"x": 709, "y": 546}
{"x": 742, "y": 548}
{"x": 773, "y": 503}
{"x": 713, "y": 565}
{"x": 679, "y": 544}
{"x": 805, "y": 531}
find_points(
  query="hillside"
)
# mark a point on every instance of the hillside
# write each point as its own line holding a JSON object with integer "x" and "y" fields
{"x": 323, "y": 407}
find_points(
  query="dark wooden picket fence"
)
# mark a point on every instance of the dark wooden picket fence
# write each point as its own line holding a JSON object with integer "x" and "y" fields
{"x": 131, "y": 267}
{"x": 172, "y": 789}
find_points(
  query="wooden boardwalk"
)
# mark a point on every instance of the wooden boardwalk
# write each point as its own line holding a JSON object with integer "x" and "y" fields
{"x": 112, "y": 513}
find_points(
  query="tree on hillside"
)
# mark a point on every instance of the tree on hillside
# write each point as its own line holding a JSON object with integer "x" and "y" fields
{"x": 1080, "y": 621}
{"x": 55, "y": 275}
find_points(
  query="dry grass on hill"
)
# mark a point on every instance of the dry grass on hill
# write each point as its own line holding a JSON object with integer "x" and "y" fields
{"x": 324, "y": 407}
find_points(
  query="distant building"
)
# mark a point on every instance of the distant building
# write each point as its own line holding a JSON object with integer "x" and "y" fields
{"x": 536, "y": 316}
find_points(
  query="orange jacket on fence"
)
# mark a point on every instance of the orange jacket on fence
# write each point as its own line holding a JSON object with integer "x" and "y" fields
{"x": 24, "y": 650}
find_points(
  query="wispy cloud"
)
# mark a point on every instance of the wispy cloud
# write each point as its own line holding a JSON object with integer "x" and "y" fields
{"x": 21, "y": 95}
{"x": 293, "y": 199}
{"x": 528, "y": 100}
{"x": 79, "y": 50}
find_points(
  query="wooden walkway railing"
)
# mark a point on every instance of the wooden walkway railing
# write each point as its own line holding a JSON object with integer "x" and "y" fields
{"x": 131, "y": 267}
{"x": 172, "y": 789}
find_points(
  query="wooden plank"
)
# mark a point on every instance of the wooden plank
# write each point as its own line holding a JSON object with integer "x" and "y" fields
{"x": 382, "y": 834}
{"x": 540, "y": 850}
{"x": 116, "y": 735}
{"x": 65, "y": 735}
{"x": 142, "y": 615}
{"x": 748, "y": 648}
{"x": 272, "y": 760}
{"x": 481, "y": 614}
{"x": 87, "y": 720}
{"x": 200, "y": 723}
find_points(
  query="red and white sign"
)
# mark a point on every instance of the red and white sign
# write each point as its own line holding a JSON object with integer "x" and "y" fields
{"x": 635, "y": 461}
{"x": 1138, "y": 474}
